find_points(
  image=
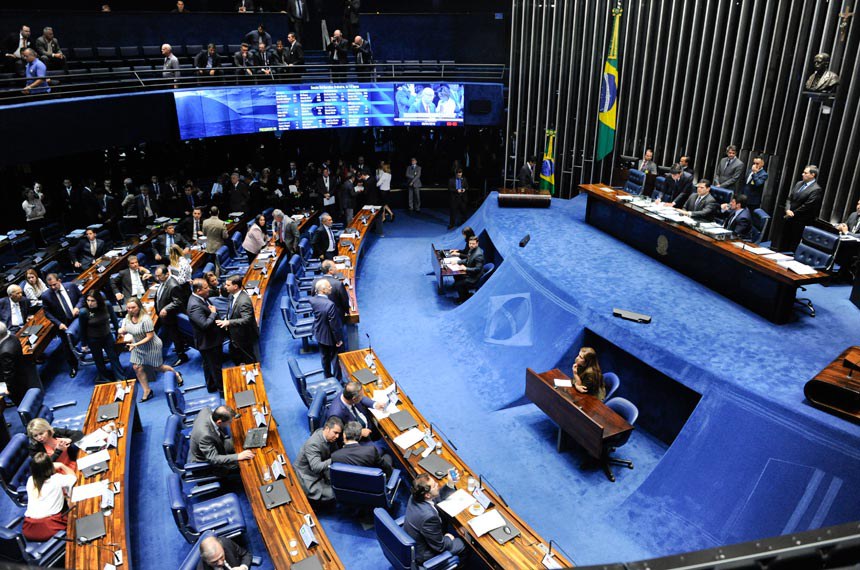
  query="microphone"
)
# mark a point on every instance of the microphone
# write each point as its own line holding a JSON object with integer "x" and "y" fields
{"x": 432, "y": 426}
{"x": 369, "y": 344}
{"x": 481, "y": 486}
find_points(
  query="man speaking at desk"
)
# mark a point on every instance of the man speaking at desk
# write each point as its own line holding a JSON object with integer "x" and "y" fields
{"x": 702, "y": 206}
{"x": 424, "y": 524}
{"x": 211, "y": 442}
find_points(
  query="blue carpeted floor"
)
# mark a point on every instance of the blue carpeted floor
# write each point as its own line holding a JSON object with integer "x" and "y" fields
{"x": 753, "y": 459}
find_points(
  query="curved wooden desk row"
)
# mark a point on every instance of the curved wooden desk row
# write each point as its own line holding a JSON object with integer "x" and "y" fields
{"x": 362, "y": 222}
{"x": 94, "y": 555}
{"x": 524, "y": 551}
{"x": 280, "y": 525}
{"x": 836, "y": 389}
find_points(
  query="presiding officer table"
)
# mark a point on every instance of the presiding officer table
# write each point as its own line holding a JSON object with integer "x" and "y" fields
{"x": 280, "y": 525}
{"x": 758, "y": 284}
{"x": 94, "y": 555}
{"x": 525, "y": 551}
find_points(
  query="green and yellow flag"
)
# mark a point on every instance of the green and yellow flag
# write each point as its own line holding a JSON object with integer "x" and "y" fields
{"x": 547, "y": 167}
{"x": 609, "y": 92}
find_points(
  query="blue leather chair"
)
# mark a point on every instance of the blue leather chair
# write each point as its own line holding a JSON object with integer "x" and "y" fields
{"x": 307, "y": 252}
{"x": 309, "y": 383}
{"x": 817, "y": 249}
{"x": 15, "y": 468}
{"x": 722, "y": 195}
{"x": 187, "y": 409}
{"x": 611, "y": 380}
{"x": 309, "y": 233}
{"x": 51, "y": 233}
{"x": 33, "y": 406}
{"x": 627, "y": 410}
{"x": 298, "y": 327}
{"x": 300, "y": 303}
{"x": 366, "y": 486}
{"x": 176, "y": 445}
{"x": 50, "y": 267}
{"x": 17, "y": 549}
{"x": 228, "y": 264}
{"x": 760, "y": 223}
{"x": 317, "y": 411}
{"x": 193, "y": 559}
{"x": 399, "y": 548}
{"x": 235, "y": 245}
{"x": 222, "y": 515}
{"x": 486, "y": 271}
{"x": 635, "y": 181}
{"x": 659, "y": 188}
{"x": 304, "y": 281}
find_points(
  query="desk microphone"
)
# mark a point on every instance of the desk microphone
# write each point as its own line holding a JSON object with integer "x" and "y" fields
{"x": 499, "y": 495}
{"x": 451, "y": 443}
{"x": 369, "y": 344}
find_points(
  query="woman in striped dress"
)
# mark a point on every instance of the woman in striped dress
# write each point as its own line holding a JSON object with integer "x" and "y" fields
{"x": 145, "y": 346}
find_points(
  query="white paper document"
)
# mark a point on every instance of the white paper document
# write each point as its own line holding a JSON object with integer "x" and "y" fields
{"x": 97, "y": 438}
{"x": 491, "y": 520}
{"x": 451, "y": 260}
{"x": 458, "y": 502}
{"x": 797, "y": 267}
{"x": 404, "y": 441}
{"x": 562, "y": 383}
{"x": 84, "y": 492}
{"x": 92, "y": 459}
{"x": 778, "y": 257}
{"x": 328, "y": 201}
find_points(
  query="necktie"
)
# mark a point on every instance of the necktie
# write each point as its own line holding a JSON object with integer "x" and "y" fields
{"x": 330, "y": 238}
{"x": 359, "y": 417}
{"x": 731, "y": 220}
{"x": 168, "y": 244}
{"x": 66, "y": 308}
{"x": 232, "y": 304}
{"x": 299, "y": 8}
{"x": 698, "y": 201}
{"x": 93, "y": 248}
{"x": 158, "y": 293}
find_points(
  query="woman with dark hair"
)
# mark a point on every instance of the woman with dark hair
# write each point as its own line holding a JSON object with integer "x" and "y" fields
{"x": 96, "y": 334}
{"x": 56, "y": 442}
{"x": 467, "y": 232}
{"x": 587, "y": 377}
{"x": 255, "y": 240}
{"x": 47, "y": 488}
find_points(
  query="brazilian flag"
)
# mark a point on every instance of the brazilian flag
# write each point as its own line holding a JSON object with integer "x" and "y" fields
{"x": 607, "y": 115}
{"x": 547, "y": 167}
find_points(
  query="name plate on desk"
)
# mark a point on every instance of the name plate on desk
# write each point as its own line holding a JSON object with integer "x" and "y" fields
{"x": 119, "y": 393}
{"x": 278, "y": 470}
{"x": 308, "y": 537}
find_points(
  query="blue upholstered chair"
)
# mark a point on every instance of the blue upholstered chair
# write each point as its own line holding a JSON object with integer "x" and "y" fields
{"x": 15, "y": 548}
{"x": 193, "y": 559}
{"x": 15, "y": 468}
{"x": 635, "y": 181}
{"x": 365, "y": 486}
{"x": 222, "y": 515}
{"x": 228, "y": 263}
{"x": 306, "y": 251}
{"x": 51, "y": 233}
{"x": 760, "y": 223}
{"x": 300, "y": 303}
{"x": 176, "y": 446}
{"x": 303, "y": 279}
{"x": 399, "y": 548}
{"x": 611, "y": 380}
{"x": 309, "y": 383}
{"x": 187, "y": 409}
{"x": 627, "y": 410}
{"x": 317, "y": 411}
{"x": 298, "y": 327}
{"x": 486, "y": 271}
{"x": 659, "y": 188}
{"x": 33, "y": 406}
{"x": 817, "y": 249}
{"x": 722, "y": 195}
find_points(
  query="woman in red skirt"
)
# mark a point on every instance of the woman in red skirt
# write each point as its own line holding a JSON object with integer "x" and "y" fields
{"x": 48, "y": 489}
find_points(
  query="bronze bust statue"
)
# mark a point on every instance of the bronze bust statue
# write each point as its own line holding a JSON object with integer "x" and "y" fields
{"x": 823, "y": 80}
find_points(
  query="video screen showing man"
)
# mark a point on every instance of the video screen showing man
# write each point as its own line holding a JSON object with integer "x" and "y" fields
{"x": 428, "y": 103}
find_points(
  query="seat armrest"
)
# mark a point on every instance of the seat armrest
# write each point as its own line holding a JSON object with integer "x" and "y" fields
{"x": 15, "y": 522}
{"x": 59, "y": 535}
{"x": 442, "y": 561}
{"x": 191, "y": 388}
{"x": 393, "y": 481}
{"x": 256, "y": 561}
{"x": 314, "y": 372}
{"x": 400, "y": 521}
{"x": 206, "y": 489}
{"x": 63, "y": 405}
{"x": 197, "y": 467}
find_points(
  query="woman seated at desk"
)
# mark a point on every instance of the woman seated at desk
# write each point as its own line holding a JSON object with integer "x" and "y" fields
{"x": 48, "y": 487}
{"x": 587, "y": 377}
{"x": 467, "y": 232}
{"x": 57, "y": 443}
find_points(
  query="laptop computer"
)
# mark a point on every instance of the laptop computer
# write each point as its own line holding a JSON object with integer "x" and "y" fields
{"x": 403, "y": 420}
{"x": 107, "y": 412}
{"x": 436, "y": 465}
{"x": 90, "y": 527}
{"x": 256, "y": 437}
{"x": 245, "y": 399}
{"x": 275, "y": 494}
{"x": 310, "y": 563}
{"x": 505, "y": 533}
{"x": 364, "y": 375}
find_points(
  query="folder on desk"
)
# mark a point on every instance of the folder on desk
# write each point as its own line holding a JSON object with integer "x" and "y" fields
{"x": 245, "y": 399}
{"x": 275, "y": 494}
{"x": 501, "y": 535}
{"x": 364, "y": 375}
{"x": 310, "y": 563}
{"x": 107, "y": 412}
{"x": 403, "y": 420}
{"x": 32, "y": 329}
{"x": 90, "y": 527}
{"x": 436, "y": 465}
{"x": 252, "y": 284}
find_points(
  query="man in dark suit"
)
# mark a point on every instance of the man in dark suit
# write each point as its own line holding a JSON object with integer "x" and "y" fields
{"x": 337, "y": 48}
{"x": 737, "y": 217}
{"x": 526, "y": 178}
{"x": 238, "y": 193}
{"x": 254, "y": 37}
{"x": 62, "y": 302}
{"x": 162, "y": 244}
{"x": 15, "y": 308}
{"x": 352, "y": 453}
{"x": 753, "y": 186}
{"x": 241, "y": 324}
{"x": 852, "y": 224}
{"x": 473, "y": 262}
{"x": 802, "y": 207}
{"x": 324, "y": 243}
{"x": 107, "y": 208}
{"x": 131, "y": 281}
{"x": 19, "y": 374}
{"x": 686, "y": 165}
{"x": 207, "y": 62}
{"x": 729, "y": 170}
{"x": 346, "y": 197}
{"x": 207, "y": 335}
{"x": 338, "y": 295}
{"x": 88, "y": 250}
{"x": 458, "y": 199}
{"x": 13, "y": 49}
{"x": 351, "y": 405}
{"x": 299, "y": 15}
{"x": 328, "y": 328}
{"x": 363, "y": 57}
{"x": 296, "y": 53}
{"x": 243, "y": 61}
{"x": 217, "y": 553}
{"x": 211, "y": 442}
{"x": 264, "y": 59}
{"x": 70, "y": 198}
{"x": 145, "y": 206}
{"x": 170, "y": 300}
{"x": 325, "y": 189}
{"x": 49, "y": 50}
{"x": 678, "y": 185}
{"x": 424, "y": 524}
{"x": 701, "y": 206}
{"x": 314, "y": 460}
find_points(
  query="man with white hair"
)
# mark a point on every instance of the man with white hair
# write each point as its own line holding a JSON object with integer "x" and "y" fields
{"x": 323, "y": 241}
{"x": 220, "y": 552}
{"x": 286, "y": 231}
{"x": 14, "y": 309}
{"x": 424, "y": 104}
{"x": 171, "y": 64}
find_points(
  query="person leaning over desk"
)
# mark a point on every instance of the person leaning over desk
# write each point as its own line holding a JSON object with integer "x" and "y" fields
{"x": 587, "y": 377}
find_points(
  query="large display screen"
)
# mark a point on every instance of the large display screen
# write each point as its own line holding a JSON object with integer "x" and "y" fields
{"x": 224, "y": 111}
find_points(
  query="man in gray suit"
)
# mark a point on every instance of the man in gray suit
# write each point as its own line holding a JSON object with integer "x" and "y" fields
{"x": 729, "y": 170}
{"x": 215, "y": 231}
{"x": 171, "y": 64}
{"x": 49, "y": 50}
{"x": 852, "y": 224}
{"x": 286, "y": 231}
{"x": 314, "y": 460}
{"x": 211, "y": 442}
{"x": 702, "y": 206}
{"x": 413, "y": 185}
{"x": 646, "y": 164}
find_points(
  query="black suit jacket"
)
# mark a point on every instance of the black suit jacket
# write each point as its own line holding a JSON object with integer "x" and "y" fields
{"x": 82, "y": 253}
{"x": 159, "y": 244}
{"x": 328, "y": 325}
{"x": 678, "y": 191}
{"x": 26, "y": 310}
{"x": 526, "y": 177}
{"x": 265, "y": 58}
{"x": 363, "y": 456}
{"x": 234, "y": 555}
{"x": 806, "y": 205}
{"x": 474, "y": 262}
{"x": 238, "y": 196}
{"x": 10, "y": 43}
{"x": 424, "y": 524}
{"x": 172, "y": 300}
{"x": 243, "y": 325}
{"x": 741, "y": 223}
{"x": 708, "y": 207}
{"x": 140, "y": 209}
{"x": 53, "y": 309}
{"x": 207, "y": 335}
{"x": 122, "y": 283}
{"x": 340, "y": 48}
{"x": 452, "y": 187}
{"x": 107, "y": 209}
{"x": 295, "y": 54}
{"x": 20, "y": 374}
{"x": 321, "y": 241}
{"x": 202, "y": 58}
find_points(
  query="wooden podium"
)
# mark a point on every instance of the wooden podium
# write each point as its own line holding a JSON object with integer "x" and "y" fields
{"x": 524, "y": 198}
{"x": 836, "y": 389}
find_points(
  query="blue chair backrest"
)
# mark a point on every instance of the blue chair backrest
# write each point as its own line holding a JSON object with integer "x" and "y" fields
{"x": 352, "y": 481}
{"x": 305, "y": 248}
{"x": 624, "y": 408}
{"x": 659, "y": 187}
{"x": 50, "y": 267}
{"x": 178, "y": 504}
{"x": 15, "y": 467}
{"x": 820, "y": 239}
{"x": 175, "y": 397}
{"x": 486, "y": 272}
{"x": 296, "y": 267}
{"x": 292, "y": 287}
{"x": 299, "y": 380}
{"x": 722, "y": 195}
{"x": 398, "y": 547}
{"x": 223, "y": 255}
{"x": 635, "y": 181}
{"x": 23, "y": 245}
{"x": 33, "y": 406}
{"x": 817, "y": 248}
{"x": 175, "y": 444}
{"x": 611, "y": 380}
{"x": 209, "y": 267}
{"x": 812, "y": 257}
{"x": 761, "y": 222}
{"x": 269, "y": 214}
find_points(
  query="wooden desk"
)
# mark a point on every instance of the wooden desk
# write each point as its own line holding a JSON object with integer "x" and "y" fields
{"x": 280, "y": 525}
{"x": 759, "y": 284}
{"x": 524, "y": 198}
{"x": 836, "y": 389}
{"x": 440, "y": 270}
{"x": 363, "y": 222}
{"x": 95, "y": 555}
{"x": 583, "y": 417}
{"x": 523, "y": 551}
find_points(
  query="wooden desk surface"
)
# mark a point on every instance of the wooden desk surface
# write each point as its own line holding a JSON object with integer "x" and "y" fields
{"x": 351, "y": 272}
{"x": 438, "y": 256}
{"x": 588, "y": 420}
{"x": 751, "y": 260}
{"x": 91, "y": 556}
{"x": 836, "y": 389}
{"x": 280, "y": 525}
{"x": 522, "y": 551}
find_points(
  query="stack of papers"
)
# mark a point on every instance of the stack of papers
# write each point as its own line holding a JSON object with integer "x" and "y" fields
{"x": 298, "y": 217}
{"x": 458, "y": 502}
{"x": 451, "y": 260}
{"x": 778, "y": 257}
{"x": 92, "y": 459}
{"x": 88, "y": 491}
{"x": 563, "y": 382}
{"x": 491, "y": 520}
{"x": 404, "y": 440}
{"x": 797, "y": 267}
{"x": 95, "y": 440}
